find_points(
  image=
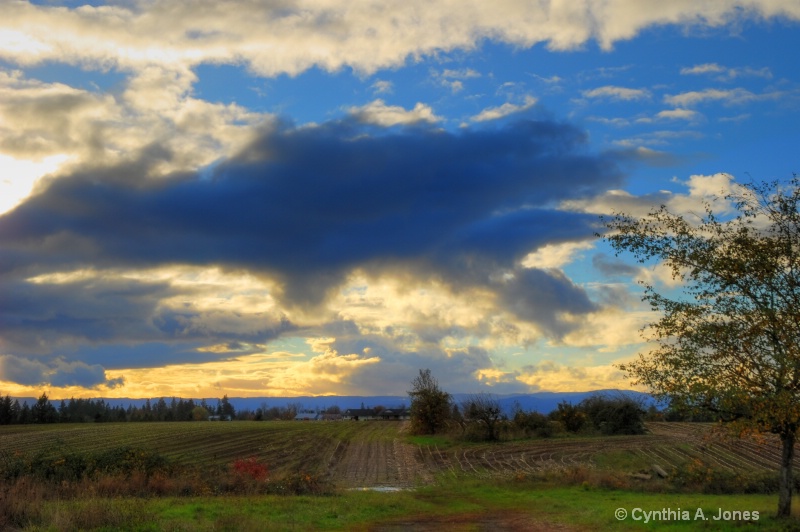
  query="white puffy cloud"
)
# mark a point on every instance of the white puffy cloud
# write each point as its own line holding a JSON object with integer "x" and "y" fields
{"x": 679, "y": 114}
{"x": 382, "y": 87}
{"x": 555, "y": 255}
{"x": 378, "y": 113}
{"x": 292, "y": 36}
{"x": 725, "y": 73}
{"x": 55, "y": 127}
{"x": 701, "y": 188}
{"x": 617, "y": 93}
{"x": 732, "y": 96}
{"x": 494, "y": 113}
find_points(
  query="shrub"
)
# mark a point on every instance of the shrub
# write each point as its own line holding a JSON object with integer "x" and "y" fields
{"x": 533, "y": 424}
{"x": 570, "y": 416}
{"x": 251, "y": 468}
{"x": 614, "y": 415}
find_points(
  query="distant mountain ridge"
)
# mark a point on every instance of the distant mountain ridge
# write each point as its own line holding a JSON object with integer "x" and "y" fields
{"x": 543, "y": 402}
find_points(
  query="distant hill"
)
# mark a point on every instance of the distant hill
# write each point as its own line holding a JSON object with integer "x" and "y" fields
{"x": 543, "y": 402}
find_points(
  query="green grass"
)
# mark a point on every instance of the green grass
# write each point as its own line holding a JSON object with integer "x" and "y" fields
{"x": 465, "y": 501}
{"x": 622, "y": 460}
{"x": 443, "y": 442}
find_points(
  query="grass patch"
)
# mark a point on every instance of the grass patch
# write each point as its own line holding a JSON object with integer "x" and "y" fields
{"x": 622, "y": 460}
{"x": 439, "y": 440}
{"x": 465, "y": 502}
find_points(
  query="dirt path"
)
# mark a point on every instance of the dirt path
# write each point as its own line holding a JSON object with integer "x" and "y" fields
{"x": 378, "y": 463}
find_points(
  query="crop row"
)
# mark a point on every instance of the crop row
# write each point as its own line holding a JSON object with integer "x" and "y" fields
{"x": 377, "y": 452}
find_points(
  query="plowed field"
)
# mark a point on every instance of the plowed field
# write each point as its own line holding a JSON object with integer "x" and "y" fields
{"x": 378, "y": 453}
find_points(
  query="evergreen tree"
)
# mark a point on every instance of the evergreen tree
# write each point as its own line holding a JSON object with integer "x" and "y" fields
{"x": 43, "y": 411}
{"x": 5, "y": 411}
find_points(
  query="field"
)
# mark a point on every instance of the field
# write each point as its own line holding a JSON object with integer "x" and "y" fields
{"x": 369, "y": 454}
{"x": 455, "y": 482}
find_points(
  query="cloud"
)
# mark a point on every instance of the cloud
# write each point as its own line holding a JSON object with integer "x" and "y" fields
{"x": 464, "y": 73}
{"x": 545, "y": 298}
{"x": 612, "y": 267}
{"x": 382, "y": 87}
{"x": 154, "y": 309}
{"x": 154, "y": 120}
{"x": 679, "y": 114}
{"x": 701, "y": 188}
{"x": 290, "y": 37}
{"x": 59, "y": 373}
{"x": 106, "y": 266}
{"x": 424, "y": 196}
{"x": 617, "y": 93}
{"x": 507, "y": 109}
{"x": 706, "y": 68}
{"x": 555, "y": 255}
{"x": 725, "y": 73}
{"x": 553, "y": 376}
{"x": 453, "y": 79}
{"x": 378, "y": 113}
{"x": 732, "y": 96}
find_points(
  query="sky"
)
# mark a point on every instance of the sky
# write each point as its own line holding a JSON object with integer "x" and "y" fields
{"x": 318, "y": 197}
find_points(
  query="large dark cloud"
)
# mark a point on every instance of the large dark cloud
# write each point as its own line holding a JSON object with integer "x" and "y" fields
{"x": 57, "y": 372}
{"x": 38, "y": 317}
{"x": 303, "y": 206}
{"x": 308, "y": 204}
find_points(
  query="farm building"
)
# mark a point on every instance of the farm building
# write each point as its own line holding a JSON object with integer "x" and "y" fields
{"x": 306, "y": 415}
{"x": 364, "y": 414}
{"x": 395, "y": 414}
{"x": 360, "y": 414}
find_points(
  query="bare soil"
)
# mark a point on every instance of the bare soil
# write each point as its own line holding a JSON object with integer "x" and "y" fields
{"x": 379, "y": 463}
{"x": 392, "y": 463}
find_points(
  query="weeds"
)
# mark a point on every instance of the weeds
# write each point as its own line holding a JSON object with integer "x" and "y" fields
{"x": 72, "y": 491}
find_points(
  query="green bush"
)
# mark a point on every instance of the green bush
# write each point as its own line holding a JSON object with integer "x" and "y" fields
{"x": 571, "y": 417}
{"x": 533, "y": 424}
{"x": 614, "y": 415}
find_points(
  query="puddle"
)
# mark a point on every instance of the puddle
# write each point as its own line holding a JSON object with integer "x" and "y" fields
{"x": 381, "y": 488}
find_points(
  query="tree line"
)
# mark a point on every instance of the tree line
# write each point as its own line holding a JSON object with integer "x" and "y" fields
{"x": 480, "y": 416}
{"x": 98, "y": 410}
{"x": 12, "y": 412}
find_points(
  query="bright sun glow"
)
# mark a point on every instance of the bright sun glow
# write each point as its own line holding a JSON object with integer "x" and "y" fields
{"x": 18, "y": 178}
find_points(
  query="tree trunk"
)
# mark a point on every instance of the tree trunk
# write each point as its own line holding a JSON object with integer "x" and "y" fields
{"x": 785, "y": 483}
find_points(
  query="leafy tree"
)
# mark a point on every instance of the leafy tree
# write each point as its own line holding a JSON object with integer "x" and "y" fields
{"x": 614, "y": 415}
{"x": 532, "y": 423}
{"x": 571, "y": 416}
{"x": 430, "y": 405}
{"x": 199, "y": 414}
{"x": 484, "y": 410}
{"x": 730, "y": 342}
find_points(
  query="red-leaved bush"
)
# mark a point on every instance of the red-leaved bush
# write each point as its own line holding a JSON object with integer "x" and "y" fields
{"x": 251, "y": 468}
